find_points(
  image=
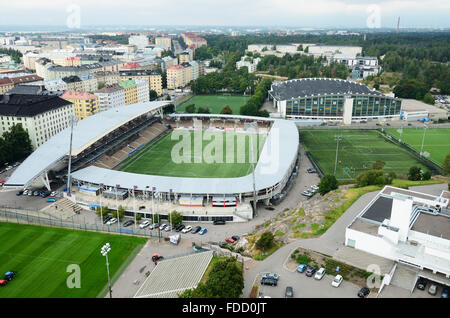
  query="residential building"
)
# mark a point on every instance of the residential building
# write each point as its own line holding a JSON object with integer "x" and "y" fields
{"x": 193, "y": 40}
{"x": 107, "y": 78}
{"x": 184, "y": 57}
{"x": 153, "y": 78}
{"x": 110, "y": 96}
{"x": 143, "y": 92}
{"x": 6, "y": 84}
{"x": 56, "y": 85}
{"x": 163, "y": 41}
{"x": 249, "y": 62}
{"x": 176, "y": 77}
{"x": 140, "y": 41}
{"x": 41, "y": 116}
{"x": 85, "y": 104}
{"x": 131, "y": 92}
{"x": 168, "y": 61}
{"x": 361, "y": 66}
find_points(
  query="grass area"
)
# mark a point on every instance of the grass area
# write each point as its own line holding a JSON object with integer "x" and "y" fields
{"x": 349, "y": 198}
{"x": 40, "y": 255}
{"x": 215, "y": 103}
{"x": 157, "y": 159}
{"x": 358, "y": 150}
{"x": 436, "y": 142}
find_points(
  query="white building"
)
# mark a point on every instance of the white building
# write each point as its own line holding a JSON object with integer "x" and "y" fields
{"x": 55, "y": 85}
{"x": 140, "y": 41}
{"x": 42, "y": 116}
{"x": 408, "y": 227}
{"x": 143, "y": 92}
{"x": 251, "y": 65}
{"x": 110, "y": 97}
{"x": 361, "y": 66}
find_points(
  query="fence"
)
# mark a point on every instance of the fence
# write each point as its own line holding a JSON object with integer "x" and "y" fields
{"x": 37, "y": 218}
{"x": 434, "y": 167}
{"x": 315, "y": 165}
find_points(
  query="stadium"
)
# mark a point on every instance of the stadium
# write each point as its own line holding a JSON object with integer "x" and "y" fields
{"x": 124, "y": 157}
{"x": 331, "y": 99}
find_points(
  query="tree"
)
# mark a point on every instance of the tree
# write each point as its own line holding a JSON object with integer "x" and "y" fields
{"x": 155, "y": 218}
{"x": 265, "y": 241}
{"x": 372, "y": 177}
{"x": 102, "y": 212}
{"x": 414, "y": 173}
{"x": 327, "y": 183}
{"x": 15, "y": 143}
{"x": 153, "y": 95}
{"x": 428, "y": 98}
{"x": 225, "y": 280}
{"x": 138, "y": 217}
{"x": 300, "y": 48}
{"x": 446, "y": 165}
{"x": 175, "y": 217}
{"x": 120, "y": 213}
{"x": 226, "y": 110}
{"x": 190, "y": 108}
{"x": 426, "y": 175}
{"x": 203, "y": 110}
{"x": 169, "y": 109}
{"x": 378, "y": 165}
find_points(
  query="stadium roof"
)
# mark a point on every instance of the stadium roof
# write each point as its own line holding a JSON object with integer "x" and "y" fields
{"x": 318, "y": 86}
{"x": 278, "y": 153}
{"x": 86, "y": 132}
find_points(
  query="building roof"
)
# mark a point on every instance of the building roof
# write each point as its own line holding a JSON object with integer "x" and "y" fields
{"x": 85, "y": 133}
{"x": 26, "y": 89}
{"x": 23, "y": 105}
{"x": 176, "y": 67}
{"x": 127, "y": 84}
{"x": 110, "y": 89}
{"x": 138, "y": 73}
{"x": 318, "y": 86}
{"x": 71, "y": 79}
{"x": 78, "y": 95}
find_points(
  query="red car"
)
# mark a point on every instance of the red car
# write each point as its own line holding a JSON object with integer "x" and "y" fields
{"x": 2, "y": 182}
{"x": 3, "y": 282}
{"x": 229, "y": 240}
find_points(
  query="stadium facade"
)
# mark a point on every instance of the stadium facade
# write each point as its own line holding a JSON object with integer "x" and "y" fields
{"x": 332, "y": 100}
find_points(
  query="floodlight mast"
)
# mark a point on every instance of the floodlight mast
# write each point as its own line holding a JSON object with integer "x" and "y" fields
{"x": 105, "y": 250}
{"x": 337, "y": 138}
{"x": 73, "y": 119}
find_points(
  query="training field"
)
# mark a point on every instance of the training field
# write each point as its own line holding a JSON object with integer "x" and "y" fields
{"x": 156, "y": 159}
{"x": 41, "y": 255}
{"x": 358, "y": 150}
{"x": 436, "y": 143}
{"x": 215, "y": 103}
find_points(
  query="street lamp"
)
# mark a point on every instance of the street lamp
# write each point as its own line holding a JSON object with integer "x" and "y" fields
{"x": 105, "y": 250}
{"x": 423, "y": 139}
{"x": 337, "y": 138}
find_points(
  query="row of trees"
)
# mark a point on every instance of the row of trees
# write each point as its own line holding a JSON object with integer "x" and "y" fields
{"x": 15, "y": 145}
{"x": 251, "y": 108}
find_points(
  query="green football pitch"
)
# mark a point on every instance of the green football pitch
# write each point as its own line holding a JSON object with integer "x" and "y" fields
{"x": 41, "y": 256}
{"x": 436, "y": 142}
{"x": 215, "y": 103}
{"x": 358, "y": 150}
{"x": 164, "y": 157}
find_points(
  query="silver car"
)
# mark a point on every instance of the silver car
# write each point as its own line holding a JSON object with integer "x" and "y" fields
{"x": 433, "y": 289}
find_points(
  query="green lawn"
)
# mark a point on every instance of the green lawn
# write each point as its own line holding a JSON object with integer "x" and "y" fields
{"x": 157, "y": 158}
{"x": 40, "y": 255}
{"x": 436, "y": 142}
{"x": 215, "y": 103}
{"x": 358, "y": 150}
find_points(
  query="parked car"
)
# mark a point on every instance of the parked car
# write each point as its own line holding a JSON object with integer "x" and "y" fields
{"x": 363, "y": 292}
{"x": 301, "y": 268}
{"x": 433, "y": 289}
{"x": 128, "y": 223}
{"x": 203, "y": 231}
{"x": 9, "y": 276}
{"x": 153, "y": 226}
{"x": 289, "y": 293}
{"x": 20, "y": 192}
{"x": 30, "y": 193}
{"x": 156, "y": 257}
{"x": 36, "y": 193}
{"x": 142, "y": 207}
{"x": 162, "y": 226}
{"x": 25, "y": 192}
{"x": 179, "y": 227}
{"x": 422, "y": 283}
{"x": 219, "y": 222}
{"x": 106, "y": 219}
{"x": 187, "y": 229}
{"x": 51, "y": 200}
{"x": 444, "y": 293}
{"x": 3, "y": 282}
{"x": 337, "y": 281}
{"x": 271, "y": 275}
{"x": 310, "y": 271}
{"x": 269, "y": 281}
{"x": 320, "y": 273}
{"x": 308, "y": 194}
{"x": 235, "y": 238}
{"x": 144, "y": 224}
{"x": 311, "y": 170}
{"x": 196, "y": 229}
{"x": 168, "y": 228}
{"x": 315, "y": 187}
{"x": 111, "y": 221}
{"x": 229, "y": 240}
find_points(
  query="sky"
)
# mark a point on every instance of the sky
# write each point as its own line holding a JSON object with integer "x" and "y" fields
{"x": 291, "y": 13}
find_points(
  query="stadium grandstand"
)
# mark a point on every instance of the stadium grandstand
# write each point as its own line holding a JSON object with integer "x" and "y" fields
{"x": 103, "y": 142}
{"x": 332, "y": 99}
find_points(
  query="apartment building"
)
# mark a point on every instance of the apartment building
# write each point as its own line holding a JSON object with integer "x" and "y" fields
{"x": 131, "y": 92}
{"x": 6, "y": 84}
{"x": 180, "y": 75}
{"x": 85, "y": 104}
{"x": 143, "y": 92}
{"x": 110, "y": 96}
{"x": 248, "y": 62}
{"x": 153, "y": 78}
{"x": 107, "y": 78}
{"x": 56, "y": 85}
{"x": 163, "y": 41}
{"x": 192, "y": 39}
{"x": 140, "y": 41}
{"x": 168, "y": 61}
{"x": 40, "y": 115}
